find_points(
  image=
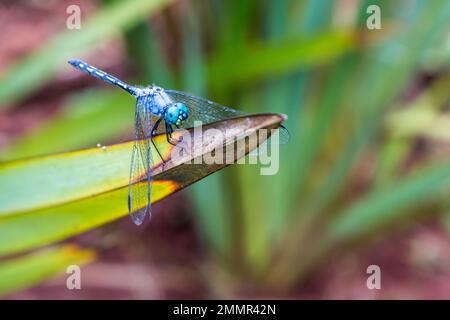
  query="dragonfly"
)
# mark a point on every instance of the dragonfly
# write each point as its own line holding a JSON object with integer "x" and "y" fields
{"x": 157, "y": 107}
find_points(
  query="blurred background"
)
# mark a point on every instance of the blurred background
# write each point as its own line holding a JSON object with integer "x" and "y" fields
{"x": 363, "y": 181}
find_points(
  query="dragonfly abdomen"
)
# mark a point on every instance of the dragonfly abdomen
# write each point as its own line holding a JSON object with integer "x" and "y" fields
{"x": 83, "y": 66}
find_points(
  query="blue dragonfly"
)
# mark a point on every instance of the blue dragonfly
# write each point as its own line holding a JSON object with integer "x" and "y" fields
{"x": 155, "y": 105}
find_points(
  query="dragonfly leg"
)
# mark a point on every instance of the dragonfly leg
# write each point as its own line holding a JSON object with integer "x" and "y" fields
{"x": 169, "y": 131}
{"x": 162, "y": 159}
{"x": 155, "y": 126}
{"x": 152, "y": 134}
{"x": 181, "y": 138}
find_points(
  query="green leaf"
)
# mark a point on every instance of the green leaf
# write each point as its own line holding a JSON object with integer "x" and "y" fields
{"x": 50, "y": 198}
{"x": 285, "y": 56}
{"x": 26, "y": 271}
{"x": 383, "y": 207}
{"x": 101, "y": 111}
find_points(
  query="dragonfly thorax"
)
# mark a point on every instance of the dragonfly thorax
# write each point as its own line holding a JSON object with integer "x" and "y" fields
{"x": 154, "y": 98}
{"x": 148, "y": 91}
{"x": 159, "y": 103}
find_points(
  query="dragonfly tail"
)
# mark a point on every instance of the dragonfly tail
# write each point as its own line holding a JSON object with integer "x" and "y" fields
{"x": 85, "y": 67}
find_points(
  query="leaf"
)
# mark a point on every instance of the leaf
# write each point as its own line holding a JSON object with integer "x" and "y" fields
{"x": 26, "y": 271}
{"x": 102, "y": 111}
{"x": 50, "y": 198}
{"x": 382, "y": 208}
{"x": 285, "y": 56}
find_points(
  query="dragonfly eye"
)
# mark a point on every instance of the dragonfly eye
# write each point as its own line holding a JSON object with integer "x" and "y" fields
{"x": 171, "y": 115}
{"x": 176, "y": 113}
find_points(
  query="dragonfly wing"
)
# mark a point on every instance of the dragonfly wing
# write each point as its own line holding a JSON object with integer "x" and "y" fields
{"x": 139, "y": 184}
{"x": 201, "y": 109}
{"x": 284, "y": 135}
{"x": 136, "y": 192}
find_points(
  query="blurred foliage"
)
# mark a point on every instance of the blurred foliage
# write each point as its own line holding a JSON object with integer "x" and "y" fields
{"x": 31, "y": 73}
{"x": 81, "y": 111}
{"x": 343, "y": 177}
{"x": 20, "y": 273}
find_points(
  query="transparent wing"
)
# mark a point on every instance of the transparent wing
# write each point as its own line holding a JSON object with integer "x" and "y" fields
{"x": 200, "y": 109}
{"x": 139, "y": 192}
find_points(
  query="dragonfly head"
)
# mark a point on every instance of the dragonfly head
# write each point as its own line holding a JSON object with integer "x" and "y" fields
{"x": 176, "y": 114}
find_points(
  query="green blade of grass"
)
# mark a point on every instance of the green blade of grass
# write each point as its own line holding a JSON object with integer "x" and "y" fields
{"x": 384, "y": 83}
{"x": 94, "y": 114}
{"x": 265, "y": 218}
{"x": 147, "y": 57}
{"x": 213, "y": 227}
{"x": 381, "y": 74}
{"x": 382, "y": 208}
{"x": 378, "y": 211}
{"x": 24, "y": 272}
{"x": 31, "y": 229}
{"x": 286, "y": 56}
